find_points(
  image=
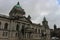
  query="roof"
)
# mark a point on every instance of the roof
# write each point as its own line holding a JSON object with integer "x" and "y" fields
{"x": 36, "y": 24}
{"x": 4, "y": 16}
{"x": 8, "y": 17}
{"x": 44, "y": 19}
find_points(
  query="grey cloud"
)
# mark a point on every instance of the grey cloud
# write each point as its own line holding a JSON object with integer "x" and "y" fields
{"x": 35, "y": 8}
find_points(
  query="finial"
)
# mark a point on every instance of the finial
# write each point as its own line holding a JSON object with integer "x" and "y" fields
{"x": 55, "y": 26}
{"x": 18, "y": 3}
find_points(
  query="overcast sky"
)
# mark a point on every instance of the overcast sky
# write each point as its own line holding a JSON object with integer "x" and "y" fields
{"x": 36, "y": 8}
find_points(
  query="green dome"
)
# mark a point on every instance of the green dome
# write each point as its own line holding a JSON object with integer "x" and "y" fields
{"x": 17, "y": 9}
{"x": 18, "y": 6}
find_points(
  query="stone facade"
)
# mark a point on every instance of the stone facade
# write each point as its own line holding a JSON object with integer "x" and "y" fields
{"x": 18, "y": 27}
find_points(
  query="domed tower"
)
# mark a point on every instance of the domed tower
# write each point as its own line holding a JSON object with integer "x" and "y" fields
{"x": 45, "y": 23}
{"x": 17, "y": 11}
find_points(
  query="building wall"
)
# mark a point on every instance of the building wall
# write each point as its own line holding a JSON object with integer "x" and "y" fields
{"x": 12, "y": 34}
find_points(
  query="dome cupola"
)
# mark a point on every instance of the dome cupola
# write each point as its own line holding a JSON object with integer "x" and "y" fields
{"x": 17, "y": 11}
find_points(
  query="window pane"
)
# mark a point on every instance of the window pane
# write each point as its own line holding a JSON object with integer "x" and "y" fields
{"x": 4, "y": 33}
{"x": 17, "y": 27}
{"x": 6, "y": 26}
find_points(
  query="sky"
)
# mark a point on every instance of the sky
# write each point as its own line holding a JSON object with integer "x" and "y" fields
{"x": 37, "y": 9}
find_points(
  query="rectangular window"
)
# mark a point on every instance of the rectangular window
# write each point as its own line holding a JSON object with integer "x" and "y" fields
{"x": 38, "y": 30}
{"x": 4, "y": 33}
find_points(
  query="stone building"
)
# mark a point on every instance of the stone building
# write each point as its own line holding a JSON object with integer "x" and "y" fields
{"x": 18, "y": 27}
{"x": 55, "y": 33}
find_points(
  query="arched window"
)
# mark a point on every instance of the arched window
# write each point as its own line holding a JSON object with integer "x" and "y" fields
{"x": 22, "y": 30}
{"x": 0, "y": 24}
{"x": 23, "y": 26}
{"x": 17, "y": 27}
{"x": 6, "y": 26}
